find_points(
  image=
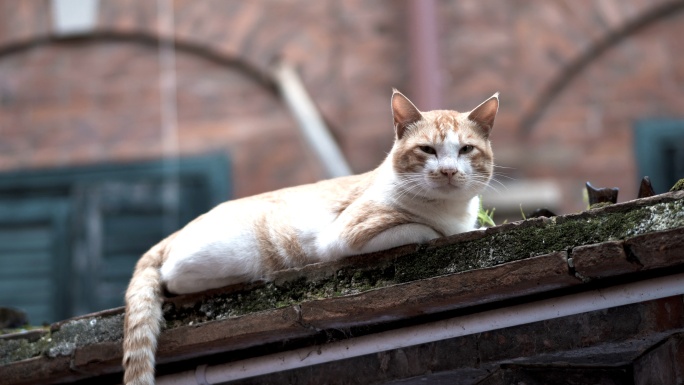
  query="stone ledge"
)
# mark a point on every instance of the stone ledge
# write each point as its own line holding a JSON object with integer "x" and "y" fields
{"x": 661, "y": 249}
{"x": 648, "y": 251}
{"x": 457, "y": 272}
{"x": 448, "y": 292}
{"x": 601, "y": 260}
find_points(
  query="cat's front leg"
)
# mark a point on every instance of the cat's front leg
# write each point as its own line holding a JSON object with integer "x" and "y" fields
{"x": 335, "y": 242}
{"x": 399, "y": 236}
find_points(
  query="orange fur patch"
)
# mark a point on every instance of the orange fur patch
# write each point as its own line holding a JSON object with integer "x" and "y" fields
{"x": 279, "y": 244}
{"x": 270, "y": 257}
{"x": 371, "y": 220}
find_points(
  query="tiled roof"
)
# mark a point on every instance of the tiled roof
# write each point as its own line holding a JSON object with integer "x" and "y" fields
{"x": 312, "y": 307}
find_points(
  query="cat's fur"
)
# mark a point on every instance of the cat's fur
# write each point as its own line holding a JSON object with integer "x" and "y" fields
{"x": 427, "y": 187}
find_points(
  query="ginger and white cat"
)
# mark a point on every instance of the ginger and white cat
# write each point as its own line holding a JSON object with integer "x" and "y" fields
{"x": 426, "y": 188}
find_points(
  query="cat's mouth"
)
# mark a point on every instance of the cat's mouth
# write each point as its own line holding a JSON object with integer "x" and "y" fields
{"x": 446, "y": 185}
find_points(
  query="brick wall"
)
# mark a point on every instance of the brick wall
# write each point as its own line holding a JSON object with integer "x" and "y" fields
{"x": 585, "y": 133}
{"x": 97, "y": 99}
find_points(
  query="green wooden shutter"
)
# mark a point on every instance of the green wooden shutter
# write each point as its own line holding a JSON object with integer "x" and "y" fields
{"x": 72, "y": 236}
{"x": 117, "y": 223}
{"x": 34, "y": 257}
{"x": 121, "y": 221}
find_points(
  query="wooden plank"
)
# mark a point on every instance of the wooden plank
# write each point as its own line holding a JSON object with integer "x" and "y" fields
{"x": 25, "y": 263}
{"x": 128, "y": 244}
{"x": 34, "y": 252}
{"x": 30, "y": 238}
{"x": 214, "y": 168}
{"x": 25, "y": 287}
{"x": 137, "y": 224}
{"x": 119, "y": 266}
{"x": 111, "y": 294}
{"x": 26, "y": 297}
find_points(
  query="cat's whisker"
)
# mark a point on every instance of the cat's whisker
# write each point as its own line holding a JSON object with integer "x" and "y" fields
{"x": 503, "y": 185}
{"x": 503, "y": 176}
{"x": 407, "y": 187}
{"x": 484, "y": 187}
{"x": 487, "y": 183}
{"x": 490, "y": 187}
{"x": 480, "y": 178}
{"x": 415, "y": 189}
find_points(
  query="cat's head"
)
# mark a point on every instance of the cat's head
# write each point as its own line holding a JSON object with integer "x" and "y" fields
{"x": 443, "y": 153}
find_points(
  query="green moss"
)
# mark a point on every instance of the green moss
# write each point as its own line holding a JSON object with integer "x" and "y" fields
{"x": 62, "y": 341}
{"x": 536, "y": 237}
{"x": 599, "y": 205}
{"x": 679, "y": 186}
{"x": 18, "y": 349}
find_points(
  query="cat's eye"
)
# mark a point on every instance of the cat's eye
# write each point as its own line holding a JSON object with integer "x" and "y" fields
{"x": 428, "y": 150}
{"x": 466, "y": 149}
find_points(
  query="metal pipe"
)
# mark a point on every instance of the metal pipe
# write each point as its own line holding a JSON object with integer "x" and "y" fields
{"x": 310, "y": 121}
{"x": 425, "y": 75}
{"x": 542, "y": 310}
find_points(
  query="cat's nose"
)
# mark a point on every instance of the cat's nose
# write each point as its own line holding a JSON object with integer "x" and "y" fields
{"x": 448, "y": 172}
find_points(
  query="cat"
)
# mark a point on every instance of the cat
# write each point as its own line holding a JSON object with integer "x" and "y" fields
{"x": 426, "y": 188}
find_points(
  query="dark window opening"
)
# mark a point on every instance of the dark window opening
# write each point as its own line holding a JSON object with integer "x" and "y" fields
{"x": 659, "y": 149}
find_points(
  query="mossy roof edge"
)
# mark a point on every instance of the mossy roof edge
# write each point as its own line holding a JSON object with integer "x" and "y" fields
{"x": 462, "y": 252}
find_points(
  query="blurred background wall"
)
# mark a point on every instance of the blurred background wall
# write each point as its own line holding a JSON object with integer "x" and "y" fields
{"x": 590, "y": 91}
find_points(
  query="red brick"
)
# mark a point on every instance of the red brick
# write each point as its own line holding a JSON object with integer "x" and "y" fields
{"x": 602, "y": 260}
{"x": 659, "y": 249}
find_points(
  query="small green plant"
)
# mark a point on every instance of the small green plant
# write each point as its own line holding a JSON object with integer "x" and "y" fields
{"x": 485, "y": 217}
{"x": 522, "y": 213}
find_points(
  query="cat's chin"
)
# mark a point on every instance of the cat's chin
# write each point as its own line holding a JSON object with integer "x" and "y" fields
{"x": 446, "y": 186}
{"x": 456, "y": 190}
{"x": 447, "y": 191}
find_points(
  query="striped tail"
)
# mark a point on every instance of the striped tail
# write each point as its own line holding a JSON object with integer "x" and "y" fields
{"x": 143, "y": 318}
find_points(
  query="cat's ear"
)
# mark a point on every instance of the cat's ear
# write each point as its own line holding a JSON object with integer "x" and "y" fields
{"x": 485, "y": 113}
{"x": 404, "y": 112}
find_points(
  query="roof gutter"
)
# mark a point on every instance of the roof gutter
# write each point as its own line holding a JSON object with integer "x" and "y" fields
{"x": 542, "y": 310}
